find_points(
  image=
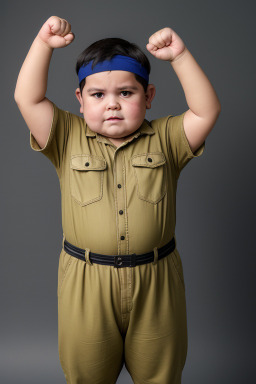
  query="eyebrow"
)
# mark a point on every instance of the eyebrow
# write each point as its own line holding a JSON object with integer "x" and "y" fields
{"x": 119, "y": 88}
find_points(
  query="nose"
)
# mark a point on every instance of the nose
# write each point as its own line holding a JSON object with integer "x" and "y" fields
{"x": 113, "y": 103}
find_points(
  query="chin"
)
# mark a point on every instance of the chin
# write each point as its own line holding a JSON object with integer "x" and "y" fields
{"x": 116, "y": 135}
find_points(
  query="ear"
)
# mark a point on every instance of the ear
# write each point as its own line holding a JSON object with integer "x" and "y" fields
{"x": 79, "y": 98}
{"x": 150, "y": 94}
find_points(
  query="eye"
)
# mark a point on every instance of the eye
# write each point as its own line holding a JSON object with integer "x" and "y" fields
{"x": 98, "y": 93}
{"x": 127, "y": 92}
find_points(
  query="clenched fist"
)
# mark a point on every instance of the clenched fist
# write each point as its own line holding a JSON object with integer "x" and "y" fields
{"x": 165, "y": 44}
{"x": 56, "y": 32}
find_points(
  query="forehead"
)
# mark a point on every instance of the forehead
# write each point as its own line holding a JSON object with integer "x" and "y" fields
{"x": 111, "y": 77}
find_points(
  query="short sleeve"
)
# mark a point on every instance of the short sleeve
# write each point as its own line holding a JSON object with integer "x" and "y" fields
{"x": 55, "y": 146}
{"x": 180, "y": 148}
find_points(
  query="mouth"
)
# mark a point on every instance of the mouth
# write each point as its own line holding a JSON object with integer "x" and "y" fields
{"x": 114, "y": 118}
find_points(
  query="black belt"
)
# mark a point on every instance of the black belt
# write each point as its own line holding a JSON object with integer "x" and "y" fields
{"x": 120, "y": 261}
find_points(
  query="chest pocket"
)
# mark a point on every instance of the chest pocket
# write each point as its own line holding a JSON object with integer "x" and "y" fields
{"x": 86, "y": 178}
{"x": 150, "y": 173}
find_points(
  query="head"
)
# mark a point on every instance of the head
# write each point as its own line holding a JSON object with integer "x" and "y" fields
{"x": 119, "y": 93}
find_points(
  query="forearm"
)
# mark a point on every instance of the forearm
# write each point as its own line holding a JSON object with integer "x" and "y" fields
{"x": 31, "y": 84}
{"x": 200, "y": 95}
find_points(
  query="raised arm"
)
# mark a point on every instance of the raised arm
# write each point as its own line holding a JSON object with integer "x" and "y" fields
{"x": 204, "y": 105}
{"x": 31, "y": 85}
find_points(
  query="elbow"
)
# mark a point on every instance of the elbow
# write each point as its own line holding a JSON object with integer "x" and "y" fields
{"x": 218, "y": 106}
{"x": 18, "y": 94}
{"x": 16, "y": 97}
{"x": 19, "y": 99}
{"x": 214, "y": 115}
{"x": 218, "y": 109}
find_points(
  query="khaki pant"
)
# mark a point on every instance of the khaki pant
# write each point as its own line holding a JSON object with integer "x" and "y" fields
{"x": 110, "y": 316}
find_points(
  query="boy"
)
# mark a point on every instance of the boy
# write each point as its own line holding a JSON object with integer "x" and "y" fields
{"x": 121, "y": 292}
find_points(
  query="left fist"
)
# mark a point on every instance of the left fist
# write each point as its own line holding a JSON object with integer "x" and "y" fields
{"x": 165, "y": 44}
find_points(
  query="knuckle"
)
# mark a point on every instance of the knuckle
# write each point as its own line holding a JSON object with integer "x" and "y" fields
{"x": 57, "y": 21}
{"x": 56, "y": 18}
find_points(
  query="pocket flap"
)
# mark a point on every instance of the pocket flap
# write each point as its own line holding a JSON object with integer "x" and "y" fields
{"x": 88, "y": 162}
{"x": 150, "y": 160}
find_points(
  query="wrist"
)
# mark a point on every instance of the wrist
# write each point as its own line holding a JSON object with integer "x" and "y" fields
{"x": 43, "y": 44}
{"x": 180, "y": 56}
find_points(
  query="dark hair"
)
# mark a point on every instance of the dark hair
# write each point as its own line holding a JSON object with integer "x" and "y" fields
{"x": 105, "y": 49}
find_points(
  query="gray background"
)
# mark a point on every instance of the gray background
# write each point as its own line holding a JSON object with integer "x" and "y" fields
{"x": 215, "y": 198}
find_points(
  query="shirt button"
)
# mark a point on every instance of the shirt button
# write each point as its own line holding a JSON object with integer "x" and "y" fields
{"x": 121, "y": 212}
{"x": 87, "y": 164}
{"x": 122, "y": 237}
{"x": 150, "y": 160}
{"x": 119, "y": 185}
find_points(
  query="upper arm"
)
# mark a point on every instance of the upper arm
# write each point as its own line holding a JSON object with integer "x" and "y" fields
{"x": 38, "y": 118}
{"x": 179, "y": 147}
{"x": 197, "y": 128}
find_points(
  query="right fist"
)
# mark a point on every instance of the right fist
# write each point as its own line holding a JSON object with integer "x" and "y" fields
{"x": 56, "y": 32}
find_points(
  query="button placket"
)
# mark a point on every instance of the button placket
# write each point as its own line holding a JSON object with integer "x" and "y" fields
{"x": 120, "y": 191}
{"x": 125, "y": 274}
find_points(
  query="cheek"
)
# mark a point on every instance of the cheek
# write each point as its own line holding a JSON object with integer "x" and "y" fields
{"x": 136, "y": 110}
{"x": 91, "y": 112}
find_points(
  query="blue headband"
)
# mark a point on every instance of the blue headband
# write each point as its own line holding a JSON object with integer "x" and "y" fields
{"x": 117, "y": 63}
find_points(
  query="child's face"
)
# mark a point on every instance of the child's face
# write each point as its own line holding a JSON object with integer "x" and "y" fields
{"x": 114, "y": 94}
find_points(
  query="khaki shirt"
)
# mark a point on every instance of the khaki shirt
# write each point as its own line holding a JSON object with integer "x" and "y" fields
{"x": 117, "y": 200}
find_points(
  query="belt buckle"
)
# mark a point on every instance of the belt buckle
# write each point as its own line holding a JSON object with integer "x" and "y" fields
{"x": 118, "y": 261}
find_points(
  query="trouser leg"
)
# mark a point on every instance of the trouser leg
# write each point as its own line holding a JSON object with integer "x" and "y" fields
{"x": 156, "y": 339}
{"x": 90, "y": 341}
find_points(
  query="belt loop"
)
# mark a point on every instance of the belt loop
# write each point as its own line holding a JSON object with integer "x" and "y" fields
{"x": 155, "y": 256}
{"x": 87, "y": 257}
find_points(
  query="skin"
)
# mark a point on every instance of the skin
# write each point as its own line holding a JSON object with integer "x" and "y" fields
{"x": 128, "y": 104}
{"x": 204, "y": 105}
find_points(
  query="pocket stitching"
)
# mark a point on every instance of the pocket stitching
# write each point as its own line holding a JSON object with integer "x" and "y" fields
{"x": 89, "y": 156}
{"x": 163, "y": 161}
{"x": 88, "y": 201}
{"x": 137, "y": 182}
{"x": 70, "y": 185}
